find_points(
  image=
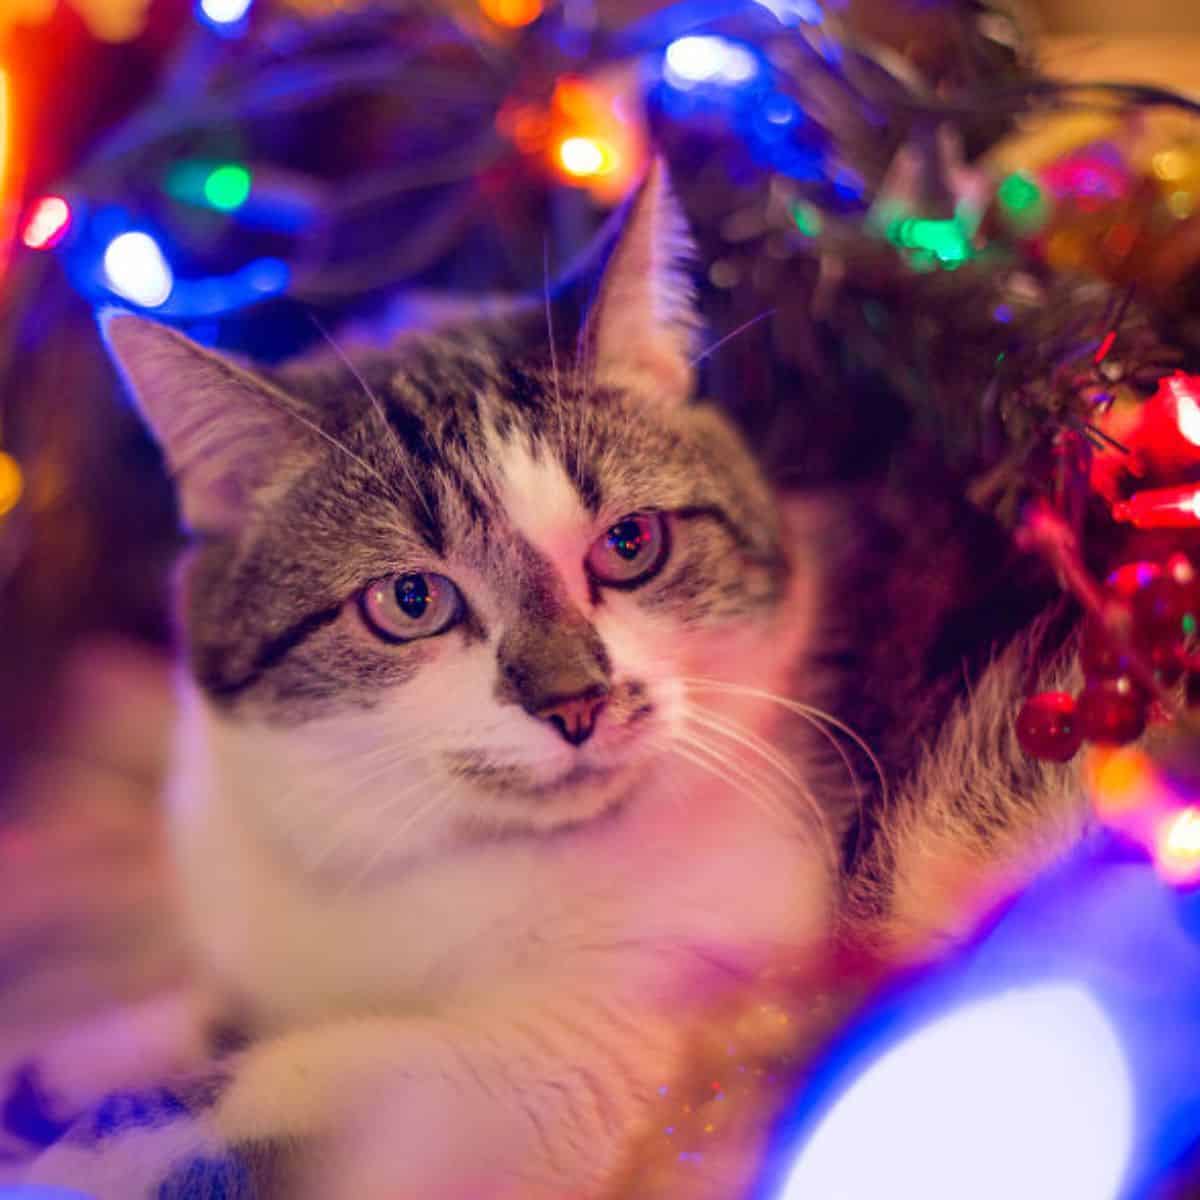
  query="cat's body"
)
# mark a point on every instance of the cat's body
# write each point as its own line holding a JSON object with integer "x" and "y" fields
{"x": 465, "y": 884}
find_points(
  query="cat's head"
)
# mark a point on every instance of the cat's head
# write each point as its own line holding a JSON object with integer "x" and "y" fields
{"x": 470, "y": 584}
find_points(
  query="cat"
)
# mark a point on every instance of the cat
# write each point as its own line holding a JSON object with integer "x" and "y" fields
{"x": 482, "y": 797}
{"x": 478, "y": 797}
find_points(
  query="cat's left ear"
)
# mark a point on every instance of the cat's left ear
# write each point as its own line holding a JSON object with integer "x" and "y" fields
{"x": 641, "y": 330}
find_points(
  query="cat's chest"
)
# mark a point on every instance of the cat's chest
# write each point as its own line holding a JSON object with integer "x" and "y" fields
{"x": 662, "y": 904}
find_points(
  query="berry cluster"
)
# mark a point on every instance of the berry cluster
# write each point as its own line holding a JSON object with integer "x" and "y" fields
{"x": 1139, "y": 641}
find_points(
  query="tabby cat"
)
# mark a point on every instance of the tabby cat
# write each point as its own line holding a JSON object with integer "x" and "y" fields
{"x": 480, "y": 793}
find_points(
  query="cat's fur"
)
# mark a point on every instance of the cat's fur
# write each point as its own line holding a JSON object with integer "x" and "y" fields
{"x": 465, "y": 951}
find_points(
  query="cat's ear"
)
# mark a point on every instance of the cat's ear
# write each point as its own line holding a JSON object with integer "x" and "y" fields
{"x": 225, "y": 433}
{"x": 641, "y": 330}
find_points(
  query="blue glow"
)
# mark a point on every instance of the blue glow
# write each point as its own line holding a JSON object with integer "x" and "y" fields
{"x": 215, "y": 295}
{"x": 1026, "y": 1093}
{"x": 794, "y": 12}
{"x": 224, "y": 12}
{"x": 706, "y": 60}
{"x": 37, "y": 1191}
{"x": 136, "y": 270}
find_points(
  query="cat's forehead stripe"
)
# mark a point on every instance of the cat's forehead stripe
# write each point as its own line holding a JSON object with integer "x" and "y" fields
{"x": 541, "y": 501}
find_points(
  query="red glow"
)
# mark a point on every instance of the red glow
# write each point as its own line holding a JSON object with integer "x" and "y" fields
{"x": 1105, "y": 346}
{"x": 48, "y": 223}
{"x": 1161, "y": 508}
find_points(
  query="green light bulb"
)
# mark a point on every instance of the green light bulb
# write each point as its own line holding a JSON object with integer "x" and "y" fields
{"x": 227, "y": 187}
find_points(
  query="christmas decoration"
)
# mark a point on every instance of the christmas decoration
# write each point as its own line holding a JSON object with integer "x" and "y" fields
{"x": 903, "y": 229}
{"x": 1049, "y": 726}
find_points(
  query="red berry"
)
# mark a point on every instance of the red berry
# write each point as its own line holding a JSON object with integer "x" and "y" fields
{"x": 1047, "y": 727}
{"x": 1112, "y": 710}
{"x": 1128, "y": 580}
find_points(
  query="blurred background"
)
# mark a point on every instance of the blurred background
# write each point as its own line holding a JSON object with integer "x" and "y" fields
{"x": 905, "y": 209}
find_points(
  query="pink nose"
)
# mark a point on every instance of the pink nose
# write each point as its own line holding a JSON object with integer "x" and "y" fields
{"x": 575, "y": 717}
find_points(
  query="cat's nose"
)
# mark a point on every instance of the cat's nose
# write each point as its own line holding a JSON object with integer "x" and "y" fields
{"x": 575, "y": 716}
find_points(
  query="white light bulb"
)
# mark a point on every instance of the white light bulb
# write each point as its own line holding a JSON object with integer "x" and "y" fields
{"x": 708, "y": 59}
{"x": 135, "y": 269}
{"x": 224, "y": 12}
{"x": 1026, "y": 1094}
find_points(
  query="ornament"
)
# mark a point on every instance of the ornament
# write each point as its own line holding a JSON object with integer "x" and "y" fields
{"x": 1112, "y": 711}
{"x": 1137, "y": 640}
{"x": 1048, "y": 727}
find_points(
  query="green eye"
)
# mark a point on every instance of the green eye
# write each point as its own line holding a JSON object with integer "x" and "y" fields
{"x": 403, "y": 608}
{"x": 630, "y": 552}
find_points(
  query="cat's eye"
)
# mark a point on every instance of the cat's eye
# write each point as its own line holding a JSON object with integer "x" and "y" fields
{"x": 630, "y": 552}
{"x": 403, "y": 608}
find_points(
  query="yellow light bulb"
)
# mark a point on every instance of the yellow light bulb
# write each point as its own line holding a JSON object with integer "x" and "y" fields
{"x": 12, "y": 483}
{"x": 584, "y": 157}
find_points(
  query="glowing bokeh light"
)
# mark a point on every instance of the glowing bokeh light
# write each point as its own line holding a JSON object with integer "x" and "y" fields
{"x": 583, "y": 157}
{"x": 1122, "y": 784}
{"x": 1025, "y": 1094}
{"x": 228, "y": 187}
{"x": 135, "y": 269}
{"x": 12, "y": 483}
{"x": 1177, "y": 850}
{"x": 1171, "y": 165}
{"x": 793, "y": 12}
{"x": 709, "y": 59}
{"x": 224, "y": 12}
{"x": 512, "y": 14}
{"x": 48, "y": 223}
{"x": 6, "y": 204}
{"x": 1187, "y": 411}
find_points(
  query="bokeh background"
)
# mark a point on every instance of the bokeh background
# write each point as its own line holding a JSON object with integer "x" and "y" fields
{"x": 288, "y": 165}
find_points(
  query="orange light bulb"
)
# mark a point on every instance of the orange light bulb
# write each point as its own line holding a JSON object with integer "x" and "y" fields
{"x": 512, "y": 14}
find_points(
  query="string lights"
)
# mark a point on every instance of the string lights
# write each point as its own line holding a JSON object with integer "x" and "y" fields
{"x": 47, "y": 223}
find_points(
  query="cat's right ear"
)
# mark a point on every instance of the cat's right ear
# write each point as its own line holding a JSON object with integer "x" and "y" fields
{"x": 223, "y": 430}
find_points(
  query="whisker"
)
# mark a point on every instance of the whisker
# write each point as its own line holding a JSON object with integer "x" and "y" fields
{"x": 354, "y": 818}
{"x": 768, "y": 801}
{"x": 803, "y": 710}
{"x": 801, "y": 792}
{"x": 688, "y": 751}
{"x": 381, "y": 412}
{"x": 818, "y": 718}
{"x": 743, "y": 737}
{"x": 436, "y": 800}
{"x": 762, "y": 316}
{"x": 340, "y": 446}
